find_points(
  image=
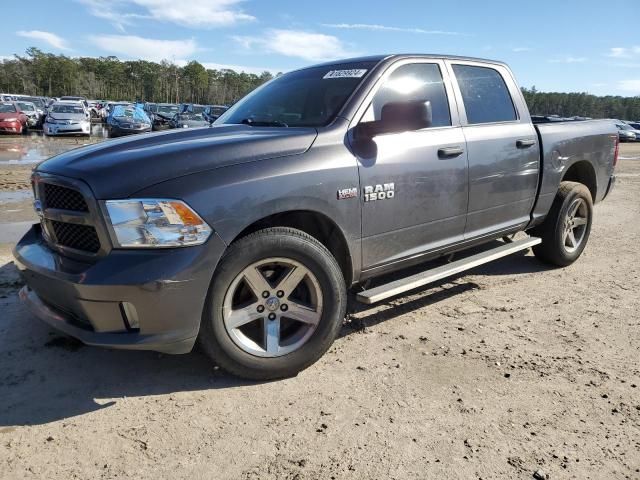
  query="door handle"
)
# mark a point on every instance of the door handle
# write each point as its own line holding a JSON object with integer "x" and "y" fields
{"x": 525, "y": 143}
{"x": 450, "y": 152}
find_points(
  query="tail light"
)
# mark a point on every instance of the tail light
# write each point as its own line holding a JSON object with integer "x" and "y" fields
{"x": 616, "y": 152}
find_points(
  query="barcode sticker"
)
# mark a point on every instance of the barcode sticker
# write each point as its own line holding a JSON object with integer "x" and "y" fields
{"x": 355, "y": 73}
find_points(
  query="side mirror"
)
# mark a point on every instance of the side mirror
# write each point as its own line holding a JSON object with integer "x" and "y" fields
{"x": 397, "y": 117}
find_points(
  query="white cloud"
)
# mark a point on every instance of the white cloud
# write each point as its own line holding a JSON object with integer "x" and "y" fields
{"x": 631, "y": 86}
{"x": 296, "y": 43}
{"x": 386, "y": 28}
{"x": 568, "y": 59}
{"x": 240, "y": 68}
{"x": 624, "y": 52}
{"x": 194, "y": 13}
{"x": 51, "y": 38}
{"x": 131, "y": 46}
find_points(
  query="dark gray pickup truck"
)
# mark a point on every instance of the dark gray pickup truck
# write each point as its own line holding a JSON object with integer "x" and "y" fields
{"x": 248, "y": 236}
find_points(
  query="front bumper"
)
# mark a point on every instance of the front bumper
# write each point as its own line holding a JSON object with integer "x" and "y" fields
{"x": 83, "y": 128}
{"x": 10, "y": 127}
{"x": 117, "y": 131}
{"x": 93, "y": 302}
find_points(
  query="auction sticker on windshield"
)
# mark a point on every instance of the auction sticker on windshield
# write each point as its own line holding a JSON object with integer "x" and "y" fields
{"x": 355, "y": 73}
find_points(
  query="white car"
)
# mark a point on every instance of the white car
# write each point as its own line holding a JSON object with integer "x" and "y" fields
{"x": 67, "y": 118}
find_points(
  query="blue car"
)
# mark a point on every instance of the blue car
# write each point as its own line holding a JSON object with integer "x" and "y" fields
{"x": 127, "y": 120}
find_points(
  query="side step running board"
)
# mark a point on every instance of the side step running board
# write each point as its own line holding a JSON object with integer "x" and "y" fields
{"x": 397, "y": 287}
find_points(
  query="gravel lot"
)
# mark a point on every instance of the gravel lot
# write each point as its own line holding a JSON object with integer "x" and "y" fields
{"x": 512, "y": 369}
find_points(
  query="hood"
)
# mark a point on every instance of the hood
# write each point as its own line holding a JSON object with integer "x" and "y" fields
{"x": 119, "y": 168}
{"x": 9, "y": 115}
{"x": 77, "y": 117}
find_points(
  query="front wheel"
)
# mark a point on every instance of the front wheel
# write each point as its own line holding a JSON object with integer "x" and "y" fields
{"x": 275, "y": 305}
{"x": 566, "y": 229}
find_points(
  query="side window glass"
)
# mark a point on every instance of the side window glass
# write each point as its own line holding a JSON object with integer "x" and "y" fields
{"x": 413, "y": 82}
{"x": 485, "y": 94}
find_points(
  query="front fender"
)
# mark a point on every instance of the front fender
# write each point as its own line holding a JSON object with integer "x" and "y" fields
{"x": 232, "y": 198}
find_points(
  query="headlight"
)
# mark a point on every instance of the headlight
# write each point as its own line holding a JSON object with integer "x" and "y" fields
{"x": 155, "y": 223}
{"x": 10, "y": 120}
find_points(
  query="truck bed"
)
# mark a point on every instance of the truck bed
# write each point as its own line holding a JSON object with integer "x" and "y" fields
{"x": 563, "y": 145}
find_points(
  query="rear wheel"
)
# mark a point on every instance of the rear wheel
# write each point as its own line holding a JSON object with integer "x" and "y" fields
{"x": 566, "y": 229}
{"x": 275, "y": 305}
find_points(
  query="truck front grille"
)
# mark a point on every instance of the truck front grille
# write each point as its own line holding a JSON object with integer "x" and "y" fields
{"x": 78, "y": 237}
{"x": 63, "y": 198}
{"x": 70, "y": 218}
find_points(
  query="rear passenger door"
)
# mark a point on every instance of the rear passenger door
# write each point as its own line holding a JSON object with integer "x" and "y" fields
{"x": 502, "y": 148}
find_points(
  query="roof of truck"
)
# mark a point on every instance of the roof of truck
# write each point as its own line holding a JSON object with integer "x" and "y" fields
{"x": 379, "y": 58}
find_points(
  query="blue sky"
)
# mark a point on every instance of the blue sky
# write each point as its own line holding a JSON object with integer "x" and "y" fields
{"x": 562, "y": 45}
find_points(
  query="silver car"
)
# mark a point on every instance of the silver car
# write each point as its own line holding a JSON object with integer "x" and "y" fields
{"x": 67, "y": 118}
{"x": 31, "y": 111}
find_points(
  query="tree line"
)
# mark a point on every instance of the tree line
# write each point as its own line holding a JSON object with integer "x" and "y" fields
{"x": 47, "y": 74}
{"x": 582, "y": 104}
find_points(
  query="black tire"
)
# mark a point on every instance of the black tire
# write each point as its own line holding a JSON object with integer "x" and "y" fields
{"x": 283, "y": 242}
{"x": 554, "y": 249}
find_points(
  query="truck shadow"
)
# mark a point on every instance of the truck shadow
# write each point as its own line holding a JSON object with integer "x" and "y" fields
{"x": 45, "y": 376}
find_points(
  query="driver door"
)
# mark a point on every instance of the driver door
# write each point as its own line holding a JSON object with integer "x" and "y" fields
{"x": 414, "y": 183}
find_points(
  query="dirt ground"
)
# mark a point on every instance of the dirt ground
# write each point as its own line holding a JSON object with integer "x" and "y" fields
{"x": 512, "y": 369}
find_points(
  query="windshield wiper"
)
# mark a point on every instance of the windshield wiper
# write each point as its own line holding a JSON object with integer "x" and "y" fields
{"x": 263, "y": 123}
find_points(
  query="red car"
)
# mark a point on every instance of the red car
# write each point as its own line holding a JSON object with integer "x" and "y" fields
{"x": 12, "y": 120}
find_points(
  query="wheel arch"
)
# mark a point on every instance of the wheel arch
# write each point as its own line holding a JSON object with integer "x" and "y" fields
{"x": 583, "y": 172}
{"x": 313, "y": 223}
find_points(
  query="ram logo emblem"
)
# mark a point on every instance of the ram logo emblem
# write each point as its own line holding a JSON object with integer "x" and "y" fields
{"x": 386, "y": 191}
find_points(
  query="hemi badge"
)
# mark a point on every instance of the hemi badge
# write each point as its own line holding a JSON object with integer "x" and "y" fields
{"x": 346, "y": 193}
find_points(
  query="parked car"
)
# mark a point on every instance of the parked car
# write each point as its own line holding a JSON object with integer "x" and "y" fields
{"x": 634, "y": 125}
{"x": 161, "y": 114}
{"x": 192, "y": 108}
{"x": 34, "y": 118}
{"x": 12, "y": 120}
{"x": 248, "y": 235}
{"x": 109, "y": 106}
{"x": 72, "y": 98}
{"x": 188, "y": 120}
{"x": 626, "y": 132}
{"x": 67, "y": 118}
{"x": 127, "y": 120}
{"x": 94, "y": 106}
{"x": 213, "y": 112}
{"x": 39, "y": 102}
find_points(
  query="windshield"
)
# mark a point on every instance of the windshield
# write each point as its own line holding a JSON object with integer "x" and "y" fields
{"x": 624, "y": 127}
{"x": 26, "y": 107}
{"x": 306, "y": 98}
{"x": 7, "y": 108}
{"x": 77, "y": 109}
{"x": 167, "y": 109}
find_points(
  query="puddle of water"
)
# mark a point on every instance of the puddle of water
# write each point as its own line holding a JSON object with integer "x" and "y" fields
{"x": 35, "y": 147}
{"x": 15, "y": 196}
{"x": 12, "y": 232}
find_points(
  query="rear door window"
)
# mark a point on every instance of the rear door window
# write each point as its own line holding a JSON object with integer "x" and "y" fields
{"x": 485, "y": 95}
